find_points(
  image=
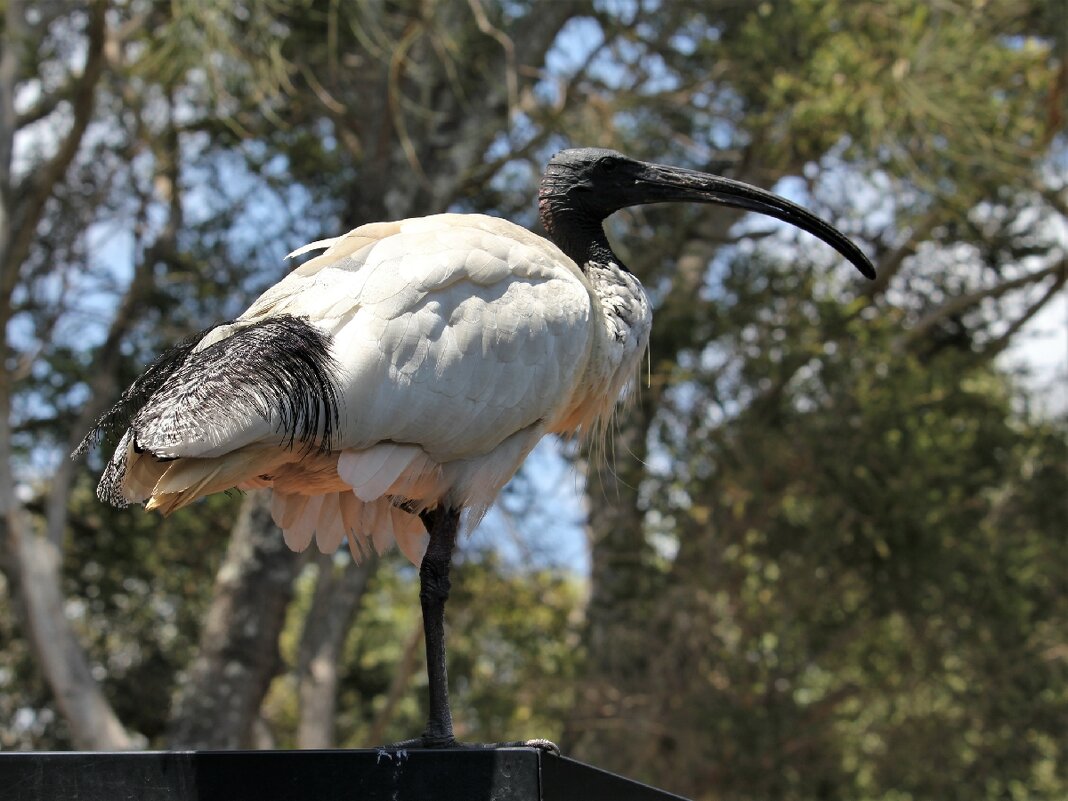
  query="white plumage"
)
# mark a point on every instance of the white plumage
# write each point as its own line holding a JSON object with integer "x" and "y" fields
{"x": 460, "y": 339}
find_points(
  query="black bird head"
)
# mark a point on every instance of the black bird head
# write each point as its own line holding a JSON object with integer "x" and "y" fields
{"x": 582, "y": 186}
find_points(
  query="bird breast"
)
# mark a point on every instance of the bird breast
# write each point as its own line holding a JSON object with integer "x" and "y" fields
{"x": 621, "y": 335}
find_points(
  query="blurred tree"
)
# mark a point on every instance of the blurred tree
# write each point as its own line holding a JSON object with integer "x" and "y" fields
{"x": 92, "y": 151}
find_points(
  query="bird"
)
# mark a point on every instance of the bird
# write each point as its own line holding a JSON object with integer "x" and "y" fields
{"x": 387, "y": 388}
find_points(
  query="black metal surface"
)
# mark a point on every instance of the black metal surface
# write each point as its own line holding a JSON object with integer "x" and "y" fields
{"x": 563, "y": 778}
{"x": 501, "y": 774}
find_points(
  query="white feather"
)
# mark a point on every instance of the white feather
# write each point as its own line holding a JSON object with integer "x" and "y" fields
{"x": 378, "y": 525}
{"x": 322, "y": 244}
{"x": 372, "y": 472}
{"x": 290, "y": 512}
{"x": 279, "y": 502}
{"x": 356, "y": 468}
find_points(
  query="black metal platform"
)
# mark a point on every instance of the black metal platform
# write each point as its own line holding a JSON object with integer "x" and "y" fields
{"x": 501, "y": 774}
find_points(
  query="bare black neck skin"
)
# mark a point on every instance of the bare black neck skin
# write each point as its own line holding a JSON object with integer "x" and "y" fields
{"x": 576, "y": 231}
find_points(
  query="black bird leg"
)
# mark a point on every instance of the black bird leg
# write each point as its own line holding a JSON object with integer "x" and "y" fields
{"x": 441, "y": 524}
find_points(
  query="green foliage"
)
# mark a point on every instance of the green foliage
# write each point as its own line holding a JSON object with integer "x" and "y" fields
{"x": 908, "y": 83}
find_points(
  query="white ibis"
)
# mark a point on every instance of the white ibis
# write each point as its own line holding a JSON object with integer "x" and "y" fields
{"x": 401, "y": 376}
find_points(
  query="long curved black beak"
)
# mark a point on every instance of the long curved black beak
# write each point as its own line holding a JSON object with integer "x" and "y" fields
{"x": 656, "y": 183}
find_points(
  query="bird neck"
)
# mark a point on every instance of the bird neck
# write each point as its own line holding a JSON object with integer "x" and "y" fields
{"x": 623, "y": 317}
{"x": 577, "y": 232}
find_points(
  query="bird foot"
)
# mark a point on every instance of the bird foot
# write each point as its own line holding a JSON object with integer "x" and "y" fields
{"x": 434, "y": 741}
{"x": 540, "y": 743}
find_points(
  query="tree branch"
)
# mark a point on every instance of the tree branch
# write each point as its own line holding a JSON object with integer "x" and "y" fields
{"x": 890, "y": 265}
{"x": 46, "y": 105}
{"x": 34, "y": 191}
{"x": 964, "y": 302}
{"x": 996, "y": 347}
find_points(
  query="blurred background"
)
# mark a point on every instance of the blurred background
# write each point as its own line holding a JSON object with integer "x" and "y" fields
{"x": 821, "y": 554}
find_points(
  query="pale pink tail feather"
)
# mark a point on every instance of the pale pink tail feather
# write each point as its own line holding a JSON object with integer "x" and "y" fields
{"x": 337, "y": 516}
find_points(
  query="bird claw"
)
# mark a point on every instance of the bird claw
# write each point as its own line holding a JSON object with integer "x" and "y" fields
{"x": 540, "y": 743}
{"x": 537, "y": 743}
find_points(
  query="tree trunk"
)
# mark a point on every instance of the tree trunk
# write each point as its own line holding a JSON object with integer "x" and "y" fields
{"x": 338, "y": 593}
{"x": 238, "y": 654}
{"x": 32, "y": 566}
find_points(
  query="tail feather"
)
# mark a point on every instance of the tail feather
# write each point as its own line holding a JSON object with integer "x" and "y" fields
{"x": 182, "y": 481}
{"x": 186, "y": 476}
{"x": 298, "y": 536}
{"x": 291, "y": 510}
{"x": 351, "y": 517}
{"x": 410, "y": 534}
{"x": 329, "y": 529}
{"x": 279, "y": 509}
{"x": 337, "y": 516}
{"x": 378, "y": 525}
{"x": 142, "y": 473}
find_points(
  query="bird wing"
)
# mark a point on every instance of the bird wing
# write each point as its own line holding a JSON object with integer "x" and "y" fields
{"x": 451, "y": 332}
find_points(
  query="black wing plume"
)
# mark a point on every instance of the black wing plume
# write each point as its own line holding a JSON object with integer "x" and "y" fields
{"x": 118, "y": 418}
{"x": 280, "y": 368}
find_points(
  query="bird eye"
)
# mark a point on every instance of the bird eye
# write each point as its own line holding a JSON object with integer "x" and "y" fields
{"x": 609, "y": 164}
